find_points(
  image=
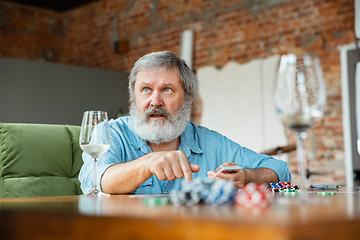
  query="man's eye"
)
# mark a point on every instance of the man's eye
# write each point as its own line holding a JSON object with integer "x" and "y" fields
{"x": 168, "y": 90}
{"x": 146, "y": 90}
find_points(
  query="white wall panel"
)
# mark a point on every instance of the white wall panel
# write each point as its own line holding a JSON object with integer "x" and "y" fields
{"x": 237, "y": 102}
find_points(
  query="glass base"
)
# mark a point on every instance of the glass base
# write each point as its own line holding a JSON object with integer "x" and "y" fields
{"x": 97, "y": 193}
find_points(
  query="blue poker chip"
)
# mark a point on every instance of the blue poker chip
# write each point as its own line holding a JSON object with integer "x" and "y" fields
{"x": 275, "y": 185}
{"x": 221, "y": 192}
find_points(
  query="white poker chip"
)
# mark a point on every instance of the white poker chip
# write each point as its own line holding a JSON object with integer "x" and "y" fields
{"x": 210, "y": 191}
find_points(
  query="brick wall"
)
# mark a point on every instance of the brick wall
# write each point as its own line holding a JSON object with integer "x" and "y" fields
{"x": 30, "y": 33}
{"x": 224, "y": 30}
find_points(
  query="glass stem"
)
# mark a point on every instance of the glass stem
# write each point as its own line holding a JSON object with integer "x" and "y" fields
{"x": 301, "y": 136}
{"x": 95, "y": 181}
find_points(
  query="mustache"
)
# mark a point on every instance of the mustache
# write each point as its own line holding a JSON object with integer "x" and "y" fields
{"x": 156, "y": 112}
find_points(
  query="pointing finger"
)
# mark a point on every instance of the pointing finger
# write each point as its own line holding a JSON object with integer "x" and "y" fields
{"x": 185, "y": 166}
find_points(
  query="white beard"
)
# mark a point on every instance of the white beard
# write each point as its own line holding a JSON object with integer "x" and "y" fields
{"x": 162, "y": 130}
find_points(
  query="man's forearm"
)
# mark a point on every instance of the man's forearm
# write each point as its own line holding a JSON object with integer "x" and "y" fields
{"x": 124, "y": 177}
{"x": 261, "y": 175}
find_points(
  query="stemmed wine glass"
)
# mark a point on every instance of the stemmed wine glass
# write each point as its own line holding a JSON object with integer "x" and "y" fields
{"x": 95, "y": 139}
{"x": 300, "y": 99}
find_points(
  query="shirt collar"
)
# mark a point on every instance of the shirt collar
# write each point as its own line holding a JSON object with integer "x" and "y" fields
{"x": 188, "y": 142}
{"x": 136, "y": 141}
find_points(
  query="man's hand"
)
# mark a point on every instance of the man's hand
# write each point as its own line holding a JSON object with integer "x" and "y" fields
{"x": 168, "y": 165}
{"x": 126, "y": 177}
{"x": 239, "y": 177}
{"x": 244, "y": 176}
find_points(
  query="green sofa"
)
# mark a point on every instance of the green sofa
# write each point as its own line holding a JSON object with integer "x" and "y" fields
{"x": 39, "y": 160}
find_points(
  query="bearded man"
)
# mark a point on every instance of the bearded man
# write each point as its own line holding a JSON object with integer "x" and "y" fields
{"x": 157, "y": 146}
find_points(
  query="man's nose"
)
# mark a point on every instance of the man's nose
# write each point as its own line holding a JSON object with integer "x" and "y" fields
{"x": 156, "y": 100}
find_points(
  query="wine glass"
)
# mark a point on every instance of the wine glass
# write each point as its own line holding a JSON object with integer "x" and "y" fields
{"x": 95, "y": 139}
{"x": 300, "y": 99}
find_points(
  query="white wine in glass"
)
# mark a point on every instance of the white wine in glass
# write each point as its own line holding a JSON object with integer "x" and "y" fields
{"x": 95, "y": 139}
{"x": 300, "y": 99}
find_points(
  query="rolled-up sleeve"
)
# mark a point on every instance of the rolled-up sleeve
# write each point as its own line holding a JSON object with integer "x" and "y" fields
{"x": 254, "y": 160}
{"x": 247, "y": 158}
{"x": 106, "y": 160}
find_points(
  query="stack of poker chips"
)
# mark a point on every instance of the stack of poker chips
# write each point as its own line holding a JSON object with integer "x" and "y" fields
{"x": 254, "y": 195}
{"x": 283, "y": 187}
{"x": 210, "y": 191}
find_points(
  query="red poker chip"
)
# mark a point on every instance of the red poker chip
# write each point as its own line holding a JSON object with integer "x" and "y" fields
{"x": 285, "y": 184}
{"x": 254, "y": 195}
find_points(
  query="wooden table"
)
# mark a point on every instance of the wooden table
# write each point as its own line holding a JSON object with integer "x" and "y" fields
{"x": 126, "y": 217}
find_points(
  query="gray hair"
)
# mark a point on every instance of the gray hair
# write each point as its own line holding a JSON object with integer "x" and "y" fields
{"x": 165, "y": 60}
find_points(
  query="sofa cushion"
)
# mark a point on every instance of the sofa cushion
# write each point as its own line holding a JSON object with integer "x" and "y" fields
{"x": 39, "y": 160}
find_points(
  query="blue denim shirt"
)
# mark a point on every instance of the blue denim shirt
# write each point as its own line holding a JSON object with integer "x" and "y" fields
{"x": 202, "y": 146}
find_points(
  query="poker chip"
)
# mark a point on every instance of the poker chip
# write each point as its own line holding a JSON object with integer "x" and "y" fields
{"x": 221, "y": 192}
{"x": 254, "y": 195}
{"x": 290, "y": 193}
{"x": 283, "y": 187}
{"x": 210, "y": 191}
{"x": 275, "y": 189}
{"x": 284, "y": 184}
{"x": 275, "y": 185}
{"x": 289, "y": 190}
{"x": 326, "y": 193}
{"x": 156, "y": 201}
{"x": 177, "y": 197}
